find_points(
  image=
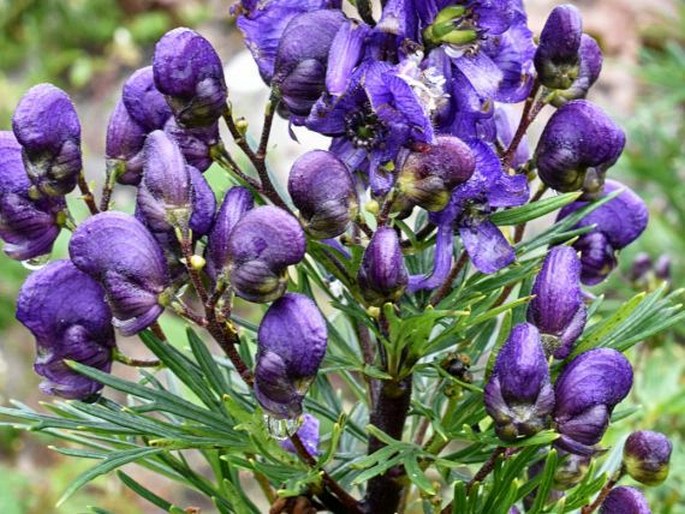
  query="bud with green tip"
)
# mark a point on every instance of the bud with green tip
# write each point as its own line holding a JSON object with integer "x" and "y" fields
{"x": 646, "y": 456}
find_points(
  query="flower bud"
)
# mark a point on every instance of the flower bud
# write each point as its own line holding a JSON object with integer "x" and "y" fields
{"x": 587, "y": 391}
{"x": 48, "y": 129}
{"x": 646, "y": 456}
{"x": 144, "y": 103}
{"x": 195, "y": 143}
{"x": 261, "y": 246}
{"x": 323, "y": 190}
{"x": 308, "y": 434}
{"x": 576, "y": 148}
{"x": 556, "y": 58}
{"x": 590, "y": 66}
{"x": 189, "y": 73}
{"x": 518, "y": 395}
{"x": 203, "y": 203}
{"x": 428, "y": 177}
{"x": 382, "y": 275}
{"x": 291, "y": 345}
{"x": 625, "y": 500}
{"x": 124, "y": 146}
{"x": 118, "y": 251}
{"x": 65, "y": 311}
{"x": 558, "y": 310}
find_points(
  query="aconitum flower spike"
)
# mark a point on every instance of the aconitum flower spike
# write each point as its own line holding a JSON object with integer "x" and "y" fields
{"x": 323, "y": 190}
{"x": 587, "y": 391}
{"x": 291, "y": 343}
{"x": 646, "y": 456}
{"x": 28, "y": 227}
{"x": 188, "y": 71}
{"x": 576, "y": 148}
{"x": 308, "y": 434}
{"x": 195, "y": 143}
{"x": 625, "y": 500}
{"x": 144, "y": 103}
{"x": 261, "y": 246}
{"x": 124, "y": 146}
{"x": 428, "y": 176}
{"x": 117, "y": 250}
{"x": 557, "y": 309}
{"x": 556, "y": 58}
{"x": 382, "y": 275}
{"x": 519, "y": 395}
{"x": 65, "y": 311}
{"x": 48, "y": 129}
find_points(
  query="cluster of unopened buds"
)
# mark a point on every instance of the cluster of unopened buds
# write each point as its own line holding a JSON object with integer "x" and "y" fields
{"x": 417, "y": 108}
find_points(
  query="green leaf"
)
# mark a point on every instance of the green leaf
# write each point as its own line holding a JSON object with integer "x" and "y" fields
{"x": 534, "y": 210}
{"x": 207, "y": 363}
{"x": 417, "y": 476}
{"x": 545, "y": 483}
{"x": 144, "y": 492}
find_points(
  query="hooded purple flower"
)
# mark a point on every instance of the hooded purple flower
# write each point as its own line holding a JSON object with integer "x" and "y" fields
{"x": 519, "y": 395}
{"x": 189, "y": 73}
{"x": 589, "y": 68}
{"x": 124, "y": 146}
{"x": 556, "y": 58}
{"x": 382, "y": 275}
{"x": 309, "y": 435}
{"x": 118, "y": 251}
{"x": 646, "y": 456}
{"x": 195, "y": 143}
{"x": 65, "y": 311}
{"x": 587, "y": 391}
{"x": 625, "y": 500}
{"x": 144, "y": 103}
{"x": 558, "y": 310}
{"x": 291, "y": 345}
{"x": 28, "y": 227}
{"x": 323, "y": 190}
{"x": 617, "y": 224}
{"x": 48, "y": 129}
{"x": 577, "y": 147}
{"x": 261, "y": 246}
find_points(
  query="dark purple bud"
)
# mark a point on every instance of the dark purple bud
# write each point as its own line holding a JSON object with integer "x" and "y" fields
{"x": 144, "y": 103}
{"x": 558, "y": 310}
{"x": 576, "y": 148}
{"x": 519, "y": 395}
{"x": 591, "y": 59}
{"x": 203, "y": 201}
{"x": 587, "y": 391}
{"x": 195, "y": 143}
{"x": 188, "y": 71}
{"x": 118, "y": 251}
{"x": 65, "y": 311}
{"x": 47, "y": 127}
{"x": 625, "y": 500}
{"x": 428, "y": 177}
{"x": 28, "y": 227}
{"x": 556, "y": 58}
{"x": 261, "y": 246}
{"x": 323, "y": 190}
{"x": 646, "y": 456}
{"x": 382, "y": 275}
{"x": 124, "y": 147}
{"x": 302, "y": 56}
{"x": 291, "y": 345}
{"x": 309, "y": 435}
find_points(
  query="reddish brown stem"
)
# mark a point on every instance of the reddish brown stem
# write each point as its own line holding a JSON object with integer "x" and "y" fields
{"x": 87, "y": 194}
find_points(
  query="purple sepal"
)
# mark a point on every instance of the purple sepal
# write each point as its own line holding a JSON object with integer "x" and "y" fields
{"x": 195, "y": 143}
{"x": 382, "y": 275}
{"x": 488, "y": 248}
{"x": 309, "y": 435}
{"x": 124, "y": 146}
{"x": 646, "y": 456}
{"x": 203, "y": 202}
{"x": 625, "y": 500}
{"x": 556, "y": 58}
{"x": 345, "y": 54}
{"x": 165, "y": 174}
{"x": 444, "y": 243}
{"x": 144, "y": 103}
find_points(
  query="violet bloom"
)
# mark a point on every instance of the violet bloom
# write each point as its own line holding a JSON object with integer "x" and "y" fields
{"x": 291, "y": 344}
{"x": 309, "y": 435}
{"x": 646, "y": 456}
{"x": 144, "y": 103}
{"x": 558, "y": 310}
{"x": 519, "y": 395}
{"x": 48, "y": 129}
{"x": 124, "y": 146}
{"x": 195, "y": 143}
{"x": 382, "y": 275}
{"x": 625, "y": 500}
{"x": 323, "y": 190}
{"x": 556, "y": 58}
{"x": 617, "y": 224}
{"x": 261, "y": 246}
{"x": 28, "y": 227}
{"x": 65, "y": 311}
{"x": 118, "y": 251}
{"x": 589, "y": 68}
{"x": 587, "y": 391}
{"x": 189, "y": 73}
{"x": 577, "y": 147}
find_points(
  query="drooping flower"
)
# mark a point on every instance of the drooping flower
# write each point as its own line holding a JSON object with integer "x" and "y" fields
{"x": 625, "y": 500}
{"x": 144, "y": 103}
{"x": 382, "y": 275}
{"x": 309, "y": 435}
{"x": 646, "y": 456}
{"x": 65, "y": 311}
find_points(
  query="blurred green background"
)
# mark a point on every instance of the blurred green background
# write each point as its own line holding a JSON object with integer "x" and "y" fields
{"x": 89, "y": 48}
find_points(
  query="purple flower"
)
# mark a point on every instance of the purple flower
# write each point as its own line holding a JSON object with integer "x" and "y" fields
{"x": 48, "y": 129}
{"x": 309, "y": 435}
{"x": 646, "y": 456}
{"x": 519, "y": 395}
{"x": 590, "y": 56}
{"x": 382, "y": 275}
{"x": 625, "y": 500}
{"x": 577, "y": 147}
{"x": 617, "y": 224}
{"x": 203, "y": 203}
{"x": 195, "y": 143}
{"x": 556, "y": 58}
{"x": 291, "y": 345}
{"x": 65, "y": 311}
{"x": 144, "y": 103}
{"x": 587, "y": 391}
{"x": 189, "y": 73}
{"x": 261, "y": 246}
{"x": 166, "y": 176}
{"x": 124, "y": 146}
{"x": 118, "y": 251}
{"x": 558, "y": 310}
{"x": 28, "y": 227}
{"x": 323, "y": 190}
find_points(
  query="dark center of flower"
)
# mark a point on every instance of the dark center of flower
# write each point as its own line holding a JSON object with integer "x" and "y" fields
{"x": 364, "y": 129}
